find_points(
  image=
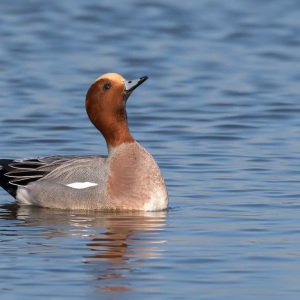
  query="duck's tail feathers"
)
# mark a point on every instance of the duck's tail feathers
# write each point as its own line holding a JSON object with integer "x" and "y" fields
{"x": 5, "y": 180}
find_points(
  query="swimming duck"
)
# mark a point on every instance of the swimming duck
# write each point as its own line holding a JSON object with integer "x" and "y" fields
{"x": 128, "y": 178}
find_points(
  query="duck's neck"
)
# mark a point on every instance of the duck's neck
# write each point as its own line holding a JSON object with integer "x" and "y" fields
{"x": 117, "y": 135}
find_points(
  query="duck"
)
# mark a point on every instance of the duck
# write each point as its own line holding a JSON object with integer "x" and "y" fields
{"x": 127, "y": 178}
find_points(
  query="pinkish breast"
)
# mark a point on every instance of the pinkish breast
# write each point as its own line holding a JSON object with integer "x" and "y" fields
{"x": 134, "y": 177}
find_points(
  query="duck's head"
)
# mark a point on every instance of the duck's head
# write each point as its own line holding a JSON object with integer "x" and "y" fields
{"x": 106, "y": 106}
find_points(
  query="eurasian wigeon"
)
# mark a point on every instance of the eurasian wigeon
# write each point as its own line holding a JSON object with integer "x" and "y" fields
{"x": 127, "y": 179}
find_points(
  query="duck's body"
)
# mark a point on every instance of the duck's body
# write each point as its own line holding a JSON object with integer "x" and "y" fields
{"x": 127, "y": 179}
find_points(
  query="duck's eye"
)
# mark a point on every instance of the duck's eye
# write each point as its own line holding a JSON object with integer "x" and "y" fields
{"x": 107, "y": 86}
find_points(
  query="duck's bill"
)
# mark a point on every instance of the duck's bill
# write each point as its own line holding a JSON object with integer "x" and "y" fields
{"x": 131, "y": 85}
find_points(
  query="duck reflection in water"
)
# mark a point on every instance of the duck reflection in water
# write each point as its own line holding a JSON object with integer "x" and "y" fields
{"x": 119, "y": 243}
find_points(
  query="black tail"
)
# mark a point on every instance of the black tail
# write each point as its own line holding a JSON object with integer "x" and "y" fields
{"x": 4, "y": 180}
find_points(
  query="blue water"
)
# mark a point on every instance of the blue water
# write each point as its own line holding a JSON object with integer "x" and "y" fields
{"x": 220, "y": 114}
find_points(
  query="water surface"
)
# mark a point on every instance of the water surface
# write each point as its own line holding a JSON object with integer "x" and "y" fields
{"x": 220, "y": 114}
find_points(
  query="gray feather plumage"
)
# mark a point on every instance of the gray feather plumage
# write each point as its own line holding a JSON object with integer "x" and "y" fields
{"x": 61, "y": 169}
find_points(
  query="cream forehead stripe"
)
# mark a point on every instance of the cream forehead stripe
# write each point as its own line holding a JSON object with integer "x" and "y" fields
{"x": 81, "y": 185}
{"x": 112, "y": 76}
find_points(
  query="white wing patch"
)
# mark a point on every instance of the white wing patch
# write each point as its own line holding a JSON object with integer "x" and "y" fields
{"x": 81, "y": 185}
